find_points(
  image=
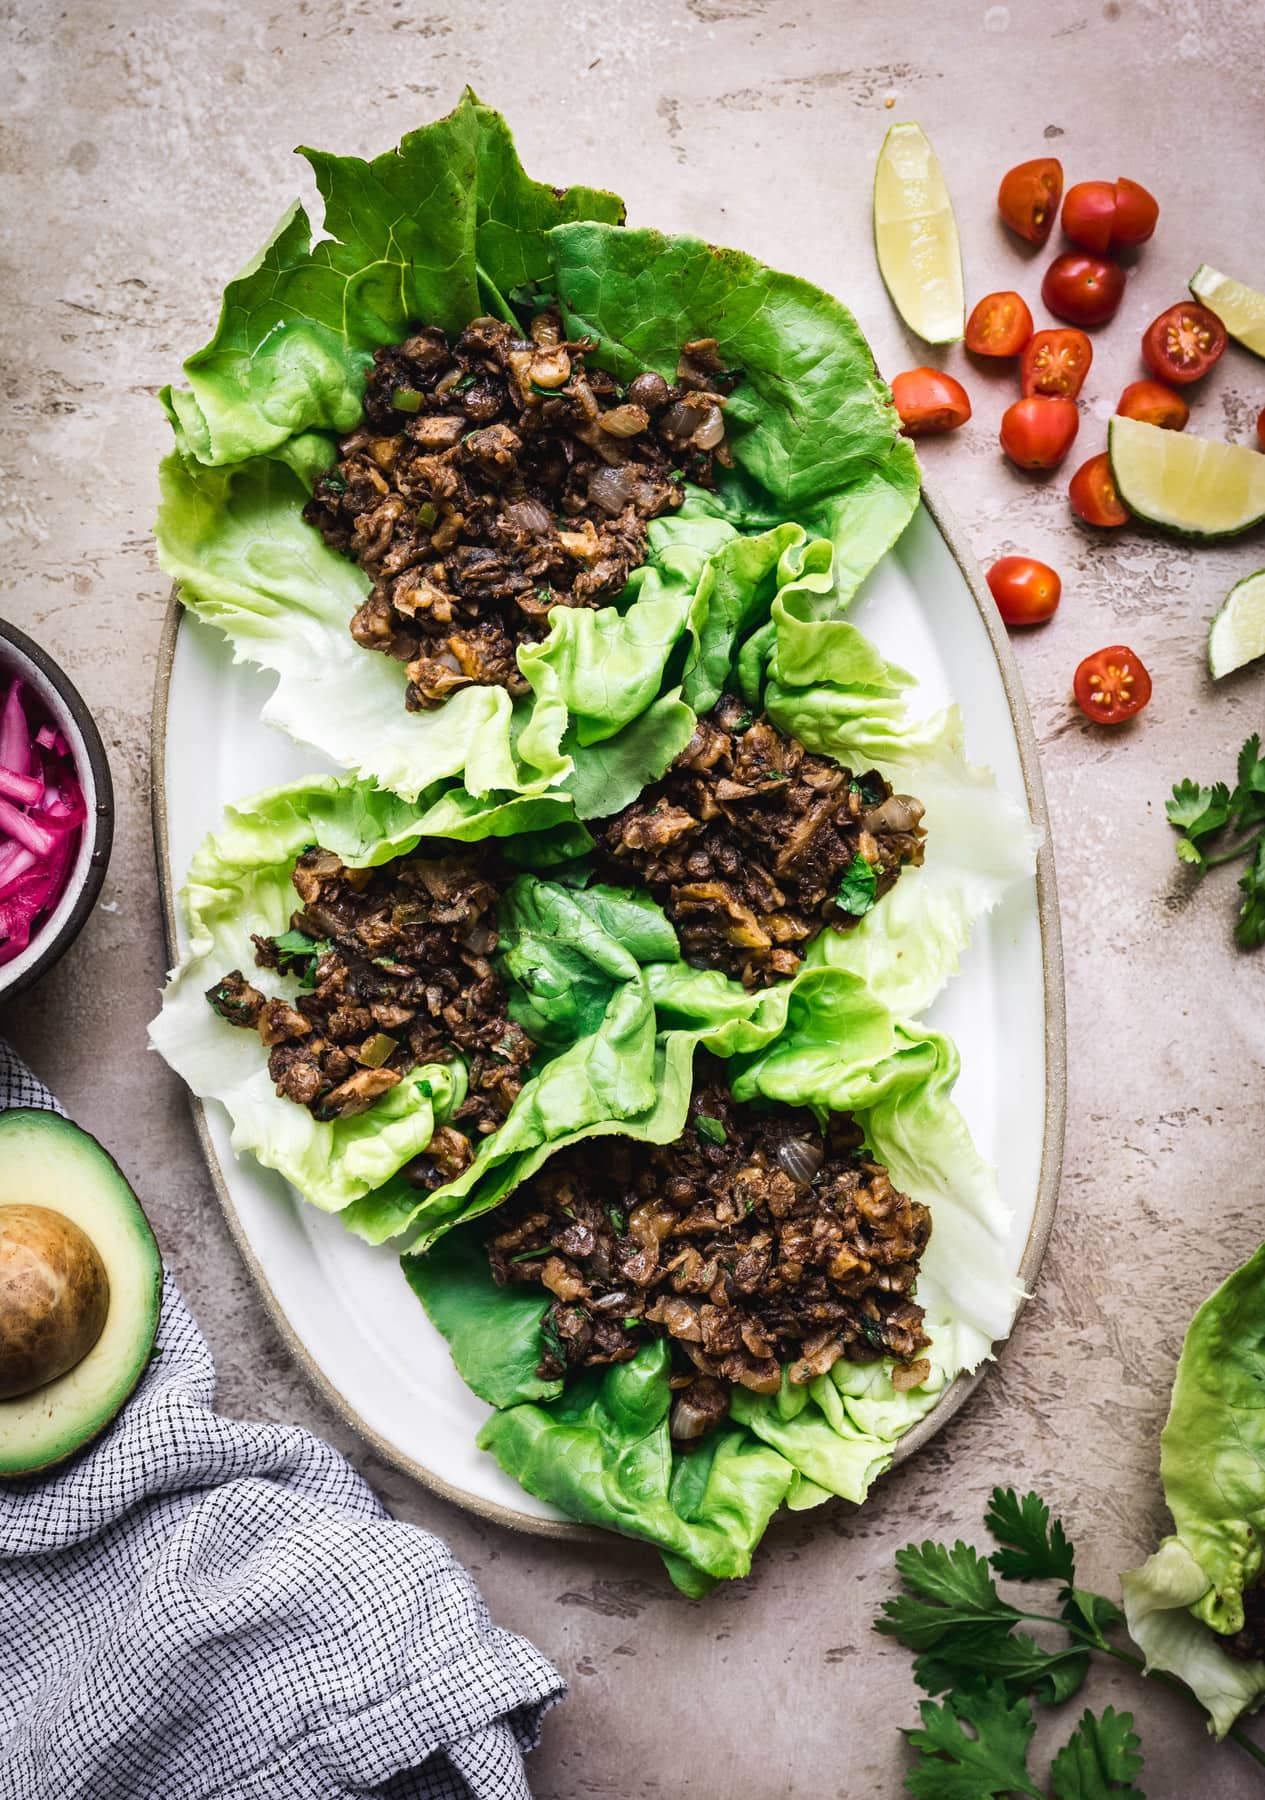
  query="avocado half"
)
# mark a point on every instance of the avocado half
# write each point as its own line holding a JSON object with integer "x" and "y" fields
{"x": 80, "y": 1287}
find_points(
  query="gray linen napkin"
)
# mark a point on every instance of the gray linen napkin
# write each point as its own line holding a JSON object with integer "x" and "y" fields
{"x": 199, "y": 1606}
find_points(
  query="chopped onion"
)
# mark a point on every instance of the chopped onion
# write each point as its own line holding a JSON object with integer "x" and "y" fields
{"x": 42, "y": 809}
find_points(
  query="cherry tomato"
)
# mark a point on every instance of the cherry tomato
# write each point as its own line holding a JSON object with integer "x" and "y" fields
{"x": 1000, "y": 325}
{"x": 1037, "y": 433}
{"x": 1089, "y": 212}
{"x": 1026, "y": 591}
{"x": 1111, "y": 685}
{"x": 1056, "y": 362}
{"x": 928, "y": 400}
{"x": 1109, "y": 215}
{"x": 1154, "y": 404}
{"x": 1085, "y": 289}
{"x": 1260, "y": 428}
{"x": 1093, "y": 494}
{"x": 1137, "y": 214}
{"x": 1029, "y": 197}
{"x": 1183, "y": 343}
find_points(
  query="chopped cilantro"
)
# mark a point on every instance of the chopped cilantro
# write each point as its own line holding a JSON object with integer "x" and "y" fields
{"x": 631, "y": 1324}
{"x": 527, "y": 1255}
{"x": 856, "y": 890}
{"x": 1219, "y": 825}
{"x": 710, "y": 1128}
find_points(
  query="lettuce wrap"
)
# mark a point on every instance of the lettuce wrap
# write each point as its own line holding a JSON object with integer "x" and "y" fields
{"x": 440, "y": 230}
{"x": 1188, "y": 1598}
{"x": 599, "y": 1447}
{"x": 598, "y": 1036}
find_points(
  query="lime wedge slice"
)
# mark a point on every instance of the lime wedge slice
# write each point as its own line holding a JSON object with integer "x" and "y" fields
{"x": 916, "y": 237}
{"x": 1238, "y": 631}
{"x": 1240, "y": 309}
{"x": 1198, "y": 487}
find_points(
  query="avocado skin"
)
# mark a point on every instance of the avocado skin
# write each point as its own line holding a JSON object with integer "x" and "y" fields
{"x": 46, "y": 1160}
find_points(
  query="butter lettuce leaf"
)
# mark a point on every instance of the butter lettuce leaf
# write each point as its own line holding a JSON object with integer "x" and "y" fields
{"x": 823, "y": 1041}
{"x": 441, "y": 229}
{"x": 1188, "y": 1596}
{"x": 598, "y": 1064}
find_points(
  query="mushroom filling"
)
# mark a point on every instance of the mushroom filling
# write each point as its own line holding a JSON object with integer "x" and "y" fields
{"x": 752, "y": 844}
{"x": 498, "y": 477}
{"x": 753, "y": 1242}
{"x": 1248, "y": 1643}
{"x": 395, "y": 970}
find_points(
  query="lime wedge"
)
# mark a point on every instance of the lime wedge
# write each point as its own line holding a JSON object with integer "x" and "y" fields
{"x": 1198, "y": 487}
{"x": 1240, "y": 309}
{"x": 916, "y": 237}
{"x": 1238, "y": 631}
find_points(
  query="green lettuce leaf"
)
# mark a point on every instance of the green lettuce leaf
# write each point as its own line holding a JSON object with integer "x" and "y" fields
{"x": 1212, "y": 1464}
{"x": 811, "y": 420}
{"x": 599, "y": 1063}
{"x": 441, "y": 229}
{"x": 823, "y": 1041}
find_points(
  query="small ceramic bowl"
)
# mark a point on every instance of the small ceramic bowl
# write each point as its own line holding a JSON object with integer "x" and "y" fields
{"x": 60, "y": 699}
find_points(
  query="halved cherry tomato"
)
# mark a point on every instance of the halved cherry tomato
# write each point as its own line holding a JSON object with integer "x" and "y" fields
{"x": 1029, "y": 197}
{"x": 1183, "y": 343}
{"x": 1111, "y": 685}
{"x": 999, "y": 325}
{"x": 929, "y": 400}
{"x": 1109, "y": 215}
{"x": 1085, "y": 289}
{"x": 1137, "y": 214}
{"x": 1154, "y": 404}
{"x": 1056, "y": 362}
{"x": 1260, "y": 428}
{"x": 1089, "y": 212}
{"x": 1093, "y": 494}
{"x": 1026, "y": 591}
{"x": 1037, "y": 433}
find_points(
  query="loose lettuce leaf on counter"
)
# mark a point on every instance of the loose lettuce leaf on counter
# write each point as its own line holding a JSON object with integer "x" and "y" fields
{"x": 1189, "y": 1595}
{"x": 598, "y": 1065}
{"x": 441, "y": 229}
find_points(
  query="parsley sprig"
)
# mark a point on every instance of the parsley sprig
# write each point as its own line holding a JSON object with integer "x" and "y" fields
{"x": 974, "y": 1740}
{"x": 1220, "y": 826}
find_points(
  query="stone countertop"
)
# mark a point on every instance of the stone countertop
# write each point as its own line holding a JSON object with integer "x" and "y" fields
{"x": 146, "y": 156}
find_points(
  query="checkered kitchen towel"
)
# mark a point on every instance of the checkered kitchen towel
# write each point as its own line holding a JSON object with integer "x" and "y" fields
{"x": 196, "y": 1606}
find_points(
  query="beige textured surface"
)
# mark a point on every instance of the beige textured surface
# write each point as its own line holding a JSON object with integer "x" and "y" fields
{"x": 145, "y": 154}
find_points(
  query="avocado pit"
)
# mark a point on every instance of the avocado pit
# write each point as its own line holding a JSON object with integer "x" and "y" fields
{"x": 54, "y": 1297}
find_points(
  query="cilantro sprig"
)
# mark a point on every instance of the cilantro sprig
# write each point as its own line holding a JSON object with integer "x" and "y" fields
{"x": 1219, "y": 825}
{"x": 984, "y": 1673}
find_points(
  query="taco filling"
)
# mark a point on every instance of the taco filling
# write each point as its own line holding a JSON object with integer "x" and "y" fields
{"x": 753, "y": 845}
{"x": 496, "y": 477}
{"x": 395, "y": 970}
{"x": 754, "y": 1242}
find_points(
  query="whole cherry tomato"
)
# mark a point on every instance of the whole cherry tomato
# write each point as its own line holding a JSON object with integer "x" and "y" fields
{"x": 1000, "y": 325}
{"x": 1154, "y": 404}
{"x": 1037, "y": 433}
{"x": 1026, "y": 591}
{"x": 928, "y": 400}
{"x": 1029, "y": 197}
{"x": 1183, "y": 343}
{"x": 1111, "y": 685}
{"x": 1085, "y": 289}
{"x": 1109, "y": 215}
{"x": 1137, "y": 214}
{"x": 1093, "y": 495}
{"x": 1056, "y": 362}
{"x": 1260, "y": 428}
{"x": 1089, "y": 212}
